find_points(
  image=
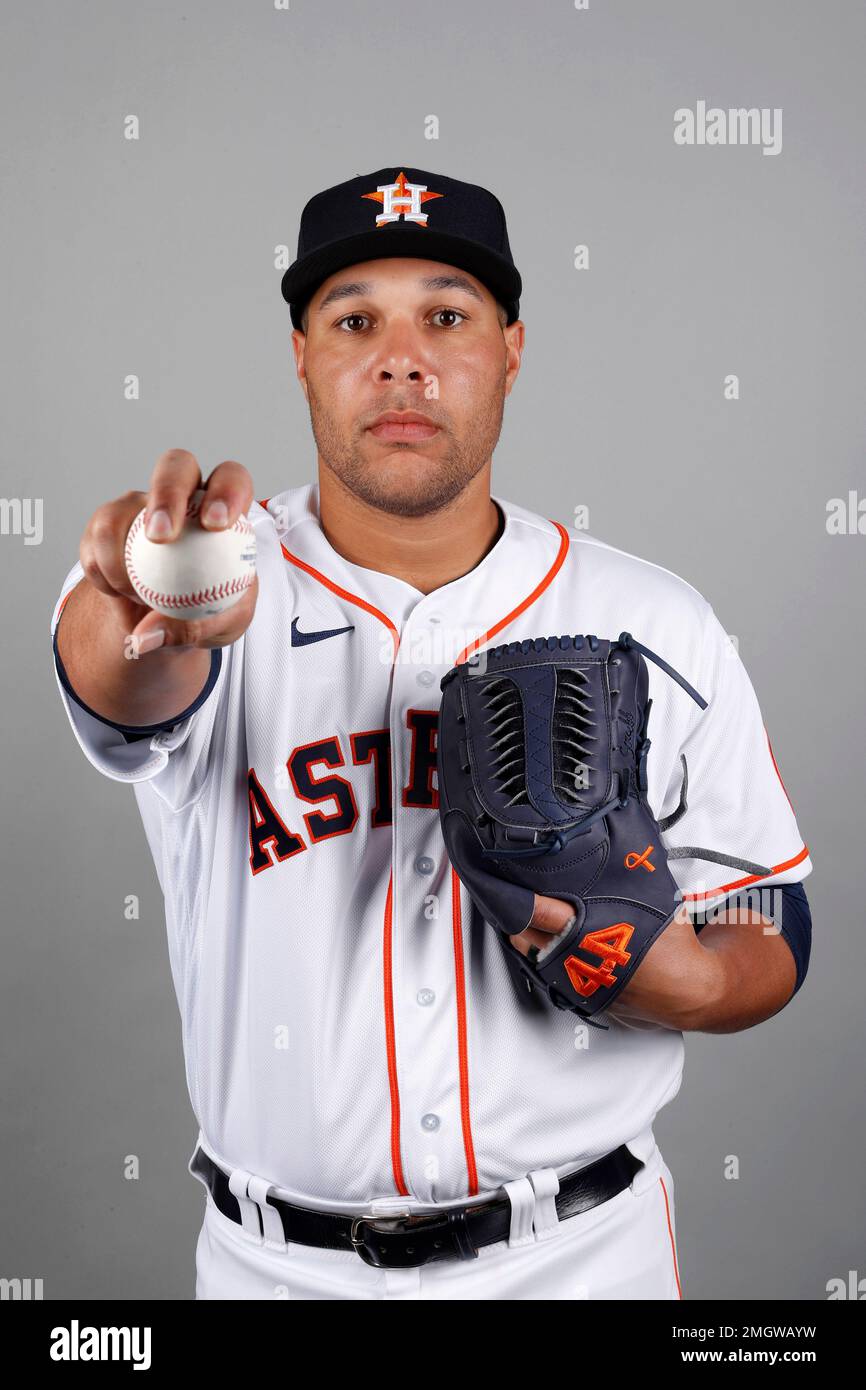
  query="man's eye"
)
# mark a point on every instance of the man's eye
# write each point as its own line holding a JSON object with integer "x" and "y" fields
{"x": 454, "y": 313}
{"x": 348, "y": 318}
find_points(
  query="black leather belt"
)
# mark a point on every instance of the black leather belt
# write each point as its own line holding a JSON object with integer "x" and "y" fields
{"x": 404, "y": 1242}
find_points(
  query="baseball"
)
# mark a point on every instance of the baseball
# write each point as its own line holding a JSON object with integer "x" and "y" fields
{"x": 196, "y": 576}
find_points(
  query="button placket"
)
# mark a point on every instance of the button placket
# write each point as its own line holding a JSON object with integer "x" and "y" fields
{"x": 422, "y": 1033}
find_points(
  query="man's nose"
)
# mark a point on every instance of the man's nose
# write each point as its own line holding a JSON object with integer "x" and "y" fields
{"x": 402, "y": 355}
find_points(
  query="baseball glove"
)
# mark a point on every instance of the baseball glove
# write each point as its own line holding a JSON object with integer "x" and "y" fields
{"x": 541, "y": 758}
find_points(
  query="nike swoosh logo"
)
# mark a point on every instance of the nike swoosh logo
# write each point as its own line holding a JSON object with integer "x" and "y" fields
{"x": 302, "y": 639}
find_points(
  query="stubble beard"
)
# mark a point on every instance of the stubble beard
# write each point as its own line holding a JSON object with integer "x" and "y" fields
{"x": 418, "y": 490}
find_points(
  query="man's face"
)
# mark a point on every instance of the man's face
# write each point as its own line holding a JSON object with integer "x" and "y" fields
{"x": 398, "y": 335}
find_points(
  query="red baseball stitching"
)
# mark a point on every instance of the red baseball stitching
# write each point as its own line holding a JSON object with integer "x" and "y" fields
{"x": 154, "y": 597}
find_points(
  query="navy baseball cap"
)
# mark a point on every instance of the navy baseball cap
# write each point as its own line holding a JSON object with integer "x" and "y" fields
{"x": 403, "y": 212}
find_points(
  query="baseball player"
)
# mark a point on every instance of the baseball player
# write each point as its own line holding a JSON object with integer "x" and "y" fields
{"x": 387, "y": 1107}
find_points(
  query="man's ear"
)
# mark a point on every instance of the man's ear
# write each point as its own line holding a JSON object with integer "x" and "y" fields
{"x": 299, "y": 342}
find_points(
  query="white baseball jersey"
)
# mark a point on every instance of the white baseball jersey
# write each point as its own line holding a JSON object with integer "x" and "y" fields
{"x": 351, "y": 1029}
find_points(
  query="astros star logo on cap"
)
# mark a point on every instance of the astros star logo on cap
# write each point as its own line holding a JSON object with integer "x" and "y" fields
{"x": 401, "y": 194}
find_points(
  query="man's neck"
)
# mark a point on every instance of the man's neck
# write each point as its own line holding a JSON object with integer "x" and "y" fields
{"x": 424, "y": 551}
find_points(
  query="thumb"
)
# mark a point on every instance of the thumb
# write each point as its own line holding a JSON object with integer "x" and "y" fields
{"x": 149, "y": 634}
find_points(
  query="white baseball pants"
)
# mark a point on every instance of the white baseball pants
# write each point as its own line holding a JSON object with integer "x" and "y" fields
{"x": 622, "y": 1249}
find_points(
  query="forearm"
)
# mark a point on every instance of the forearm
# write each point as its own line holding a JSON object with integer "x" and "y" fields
{"x": 738, "y": 972}
{"x": 754, "y": 968}
{"x": 108, "y": 674}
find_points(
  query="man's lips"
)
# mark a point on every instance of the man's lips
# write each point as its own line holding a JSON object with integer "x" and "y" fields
{"x": 391, "y": 430}
{"x": 407, "y": 426}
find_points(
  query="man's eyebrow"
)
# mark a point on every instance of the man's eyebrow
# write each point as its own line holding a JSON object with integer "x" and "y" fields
{"x": 451, "y": 282}
{"x": 351, "y": 289}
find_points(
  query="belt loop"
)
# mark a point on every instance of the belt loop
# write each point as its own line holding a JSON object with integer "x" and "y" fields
{"x": 272, "y": 1226}
{"x": 648, "y": 1175}
{"x": 238, "y": 1183}
{"x": 546, "y": 1185}
{"x": 388, "y": 1206}
{"x": 194, "y": 1165}
{"x": 522, "y": 1199}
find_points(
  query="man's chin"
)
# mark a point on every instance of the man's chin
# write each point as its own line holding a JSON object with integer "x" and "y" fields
{"x": 408, "y": 503}
{"x": 406, "y": 487}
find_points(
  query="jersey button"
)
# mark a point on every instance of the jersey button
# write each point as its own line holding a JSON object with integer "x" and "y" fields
{"x": 426, "y": 678}
{"x": 430, "y": 1122}
{"x": 425, "y": 997}
{"x": 424, "y": 865}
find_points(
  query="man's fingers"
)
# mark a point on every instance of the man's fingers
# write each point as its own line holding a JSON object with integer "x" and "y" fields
{"x": 549, "y": 917}
{"x": 531, "y": 937}
{"x": 551, "y": 914}
{"x": 93, "y": 572}
{"x": 102, "y": 551}
{"x": 219, "y": 631}
{"x": 175, "y": 478}
{"x": 102, "y": 546}
{"x": 177, "y": 475}
{"x": 228, "y": 494}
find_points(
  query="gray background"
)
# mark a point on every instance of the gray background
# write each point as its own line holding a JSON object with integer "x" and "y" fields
{"x": 157, "y": 257}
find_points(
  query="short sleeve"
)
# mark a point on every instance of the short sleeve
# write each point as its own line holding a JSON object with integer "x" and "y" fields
{"x": 174, "y": 756}
{"x": 734, "y": 824}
